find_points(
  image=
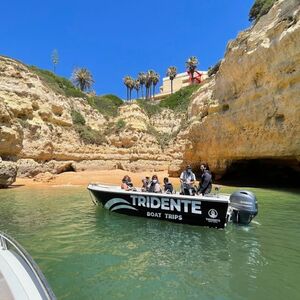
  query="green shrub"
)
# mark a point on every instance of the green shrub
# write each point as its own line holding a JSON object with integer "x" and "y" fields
{"x": 260, "y": 8}
{"x": 24, "y": 123}
{"x": 89, "y": 135}
{"x": 115, "y": 127}
{"x": 77, "y": 117}
{"x": 120, "y": 124}
{"x": 58, "y": 84}
{"x": 149, "y": 107}
{"x": 180, "y": 100}
{"x": 162, "y": 138}
{"x": 213, "y": 70}
{"x": 107, "y": 105}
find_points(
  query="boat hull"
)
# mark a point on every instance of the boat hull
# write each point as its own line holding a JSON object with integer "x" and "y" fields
{"x": 201, "y": 211}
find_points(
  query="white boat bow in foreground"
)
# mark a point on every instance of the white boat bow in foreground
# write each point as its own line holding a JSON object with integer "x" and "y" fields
{"x": 20, "y": 277}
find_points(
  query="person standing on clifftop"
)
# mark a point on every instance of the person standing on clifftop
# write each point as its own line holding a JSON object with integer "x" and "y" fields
{"x": 206, "y": 180}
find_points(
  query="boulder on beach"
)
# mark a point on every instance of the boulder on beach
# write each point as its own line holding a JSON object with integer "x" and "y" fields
{"x": 8, "y": 173}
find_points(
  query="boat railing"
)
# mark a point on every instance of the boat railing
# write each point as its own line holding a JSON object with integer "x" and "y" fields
{"x": 8, "y": 243}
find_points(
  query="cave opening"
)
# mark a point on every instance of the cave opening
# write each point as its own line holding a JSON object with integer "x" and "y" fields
{"x": 263, "y": 173}
{"x": 66, "y": 168}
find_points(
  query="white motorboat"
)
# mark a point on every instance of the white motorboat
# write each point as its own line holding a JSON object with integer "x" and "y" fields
{"x": 212, "y": 210}
{"x": 20, "y": 277}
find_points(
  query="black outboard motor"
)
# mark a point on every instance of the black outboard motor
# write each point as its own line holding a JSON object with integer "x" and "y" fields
{"x": 244, "y": 207}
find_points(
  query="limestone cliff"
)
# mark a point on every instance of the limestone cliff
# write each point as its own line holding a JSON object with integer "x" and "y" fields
{"x": 249, "y": 110}
{"x": 37, "y": 129}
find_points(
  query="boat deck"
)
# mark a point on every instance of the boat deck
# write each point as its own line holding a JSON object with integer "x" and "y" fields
{"x": 117, "y": 189}
{"x": 5, "y": 292}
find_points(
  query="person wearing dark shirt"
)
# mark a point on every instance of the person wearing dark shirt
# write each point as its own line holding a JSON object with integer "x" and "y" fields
{"x": 168, "y": 187}
{"x": 154, "y": 185}
{"x": 146, "y": 184}
{"x": 206, "y": 180}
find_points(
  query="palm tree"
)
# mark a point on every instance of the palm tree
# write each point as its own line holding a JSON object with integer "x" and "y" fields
{"x": 131, "y": 86}
{"x": 129, "y": 83}
{"x": 142, "y": 79}
{"x": 191, "y": 65}
{"x": 155, "y": 80}
{"x": 171, "y": 73}
{"x": 82, "y": 78}
{"x": 137, "y": 86}
{"x": 126, "y": 81}
{"x": 148, "y": 83}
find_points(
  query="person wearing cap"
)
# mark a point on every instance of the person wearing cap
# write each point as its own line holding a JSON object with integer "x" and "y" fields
{"x": 187, "y": 179}
{"x": 154, "y": 185}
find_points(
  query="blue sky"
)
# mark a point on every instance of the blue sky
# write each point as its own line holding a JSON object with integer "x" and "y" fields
{"x": 118, "y": 38}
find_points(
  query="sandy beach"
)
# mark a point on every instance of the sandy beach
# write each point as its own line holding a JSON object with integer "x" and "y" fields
{"x": 83, "y": 178}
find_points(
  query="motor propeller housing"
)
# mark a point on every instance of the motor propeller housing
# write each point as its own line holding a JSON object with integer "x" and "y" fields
{"x": 244, "y": 207}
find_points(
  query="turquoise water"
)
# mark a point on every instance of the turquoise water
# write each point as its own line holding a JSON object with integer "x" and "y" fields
{"x": 88, "y": 253}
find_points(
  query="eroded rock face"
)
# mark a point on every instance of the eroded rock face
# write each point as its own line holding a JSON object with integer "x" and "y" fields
{"x": 37, "y": 128}
{"x": 251, "y": 108}
{"x": 8, "y": 173}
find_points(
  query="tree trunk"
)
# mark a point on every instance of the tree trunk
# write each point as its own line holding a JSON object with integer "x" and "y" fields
{"x": 153, "y": 93}
{"x": 192, "y": 74}
{"x": 171, "y": 86}
{"x": 142, "y": 88}
{"x": 127, "y": 93}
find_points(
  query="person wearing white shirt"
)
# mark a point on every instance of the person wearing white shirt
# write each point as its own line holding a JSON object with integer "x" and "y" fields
{"x": 187, "y": 179}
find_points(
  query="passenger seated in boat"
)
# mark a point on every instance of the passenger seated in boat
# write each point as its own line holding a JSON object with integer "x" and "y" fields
{"x": 154, "y": 185}
{"x": 187, "y": 180}
{"x": 168, "y": 186}
{"x": 126, "y": 183}
{"x": 146, "y": 184}
{"x": 206, "y": 180}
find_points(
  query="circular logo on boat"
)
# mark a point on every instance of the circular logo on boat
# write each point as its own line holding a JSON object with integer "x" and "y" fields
{"x": 213, "y": 213}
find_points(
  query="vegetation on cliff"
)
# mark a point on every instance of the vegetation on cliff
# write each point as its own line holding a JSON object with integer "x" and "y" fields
{"x": 214, "y": 70}
{"x": 178, "y": 102}
{"x": 77, "y": 117}
{"x": 83, "y": 79}
{"x": 86, "y": 134}
{"x": 89, "y": 136}
{"x": 107, "y": 105}
{"x": 260, "y": 8}
{"x": 58, "y": 84}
